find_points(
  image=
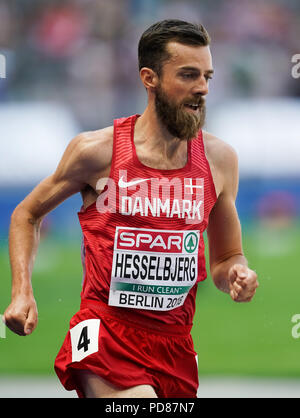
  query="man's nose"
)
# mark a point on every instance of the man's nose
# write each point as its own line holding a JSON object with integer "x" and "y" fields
{"x": 201, "y": 87}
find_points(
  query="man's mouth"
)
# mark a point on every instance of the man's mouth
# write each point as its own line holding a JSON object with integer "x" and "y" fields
{"x": 193, "y": 107}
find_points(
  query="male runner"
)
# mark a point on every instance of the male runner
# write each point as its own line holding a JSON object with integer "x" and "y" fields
{"x": 151, "y": 185}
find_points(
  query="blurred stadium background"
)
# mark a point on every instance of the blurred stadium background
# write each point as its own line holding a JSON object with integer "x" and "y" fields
{"x": 72, "y": 66}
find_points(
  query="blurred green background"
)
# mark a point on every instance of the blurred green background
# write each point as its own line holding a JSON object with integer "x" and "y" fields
{"x": 72, "y": 66}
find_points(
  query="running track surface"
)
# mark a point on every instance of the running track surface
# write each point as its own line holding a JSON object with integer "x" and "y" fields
{"x": 46, "y": 387}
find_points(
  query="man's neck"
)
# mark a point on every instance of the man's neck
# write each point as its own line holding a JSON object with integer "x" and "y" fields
{"x": 150, "y": 131}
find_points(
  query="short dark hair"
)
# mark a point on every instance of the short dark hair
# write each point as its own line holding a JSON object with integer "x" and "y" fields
{"x": 152, "y": 52}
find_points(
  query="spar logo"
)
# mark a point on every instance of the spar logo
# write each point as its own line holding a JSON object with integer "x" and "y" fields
{"x": 191, "y": 242}
{"x": 144, "y": 240}
{"x": 152, "y": 241}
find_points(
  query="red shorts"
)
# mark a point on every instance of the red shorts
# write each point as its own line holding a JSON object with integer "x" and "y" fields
{"x": 128, "y": 353}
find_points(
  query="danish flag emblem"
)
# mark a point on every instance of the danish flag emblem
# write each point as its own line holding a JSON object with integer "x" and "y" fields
{"x": 192, "y": 185}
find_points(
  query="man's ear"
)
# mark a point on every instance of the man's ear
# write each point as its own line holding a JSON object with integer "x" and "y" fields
{"x": 149, "y": 78}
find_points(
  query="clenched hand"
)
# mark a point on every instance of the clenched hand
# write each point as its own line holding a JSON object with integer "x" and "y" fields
{"x": 242, "y": 283}
{"x": 21, "y": 316}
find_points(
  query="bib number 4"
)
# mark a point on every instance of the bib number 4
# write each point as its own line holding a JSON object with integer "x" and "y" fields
{"x": 83, "y": 342}
{"x": 85, "y": 339}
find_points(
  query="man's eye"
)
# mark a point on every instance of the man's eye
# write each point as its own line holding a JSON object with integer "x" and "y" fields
{"x": 188, "y": 75}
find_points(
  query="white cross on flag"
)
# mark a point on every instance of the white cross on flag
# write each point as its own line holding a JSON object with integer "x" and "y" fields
{"x": 192, "y": 186}
{"x": 194, "y": 192}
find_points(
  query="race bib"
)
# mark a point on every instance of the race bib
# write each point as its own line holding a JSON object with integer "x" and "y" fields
{"x": 153, "y": 269}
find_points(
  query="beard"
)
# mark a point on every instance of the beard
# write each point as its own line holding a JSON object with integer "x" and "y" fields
{"x": 179, "y": 122}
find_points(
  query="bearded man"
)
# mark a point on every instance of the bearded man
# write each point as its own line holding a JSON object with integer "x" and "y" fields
{"x": 167, "y": 181}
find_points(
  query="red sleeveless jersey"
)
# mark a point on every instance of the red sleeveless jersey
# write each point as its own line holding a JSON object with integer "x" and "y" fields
{"x": 143, "y": 248}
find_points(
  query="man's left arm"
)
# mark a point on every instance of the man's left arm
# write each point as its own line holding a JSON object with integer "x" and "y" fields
{"x": 228, "y": 265}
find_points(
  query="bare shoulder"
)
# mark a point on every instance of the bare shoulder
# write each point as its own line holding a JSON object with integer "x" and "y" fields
{"x": 94, "y": 147}
{"x": 86, "y": 156}
{"x": 218, "y": 151}
{"x": 223, "y": 161}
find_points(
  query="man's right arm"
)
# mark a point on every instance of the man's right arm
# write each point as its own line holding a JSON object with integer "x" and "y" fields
{"x": 77, "y": 166}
